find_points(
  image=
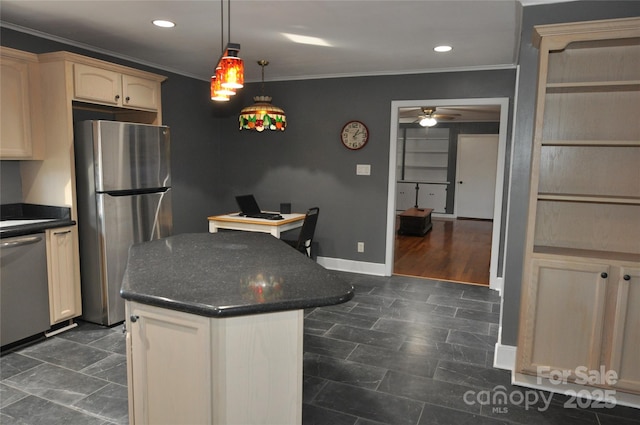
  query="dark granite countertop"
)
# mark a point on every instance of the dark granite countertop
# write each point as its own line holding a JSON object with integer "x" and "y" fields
{"x": 55, "y": 216}
{"x": 228, "y": 274}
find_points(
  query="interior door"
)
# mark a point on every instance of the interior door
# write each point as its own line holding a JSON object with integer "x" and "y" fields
{"x": 476, "y": 175}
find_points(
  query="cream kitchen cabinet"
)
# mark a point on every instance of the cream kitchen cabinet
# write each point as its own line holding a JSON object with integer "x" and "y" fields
{"x": 580, "y": 295}
{"x": 64, "y": 274}
{"x": 104, "y": 86}
{"x": 625, "y": 349}
{"x": 20, "y": 127}
{"x": 189, "y": 369}
{"x": 566, "y": 302}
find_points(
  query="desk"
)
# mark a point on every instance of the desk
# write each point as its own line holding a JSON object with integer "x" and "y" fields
{"x": 237, "y": 222}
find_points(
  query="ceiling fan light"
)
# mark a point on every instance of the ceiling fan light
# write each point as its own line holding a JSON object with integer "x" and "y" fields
{"x": 428, "y": 122}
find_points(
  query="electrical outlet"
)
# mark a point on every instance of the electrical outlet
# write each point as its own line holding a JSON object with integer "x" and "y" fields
{"x": 360, "y": 246}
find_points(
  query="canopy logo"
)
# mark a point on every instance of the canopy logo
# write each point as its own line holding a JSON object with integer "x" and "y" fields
{"x": 500, "y": 399}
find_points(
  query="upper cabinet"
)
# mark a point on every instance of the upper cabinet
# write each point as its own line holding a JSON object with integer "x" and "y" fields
{"x": 104, "y": 86}
{"x": 20, "y": 135}
{"x": 68, "y": 83}
{"x": 583, "y": 231}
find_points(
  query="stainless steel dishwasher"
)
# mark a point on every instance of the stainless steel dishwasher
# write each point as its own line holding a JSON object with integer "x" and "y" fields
{"x": 24, "y": 292}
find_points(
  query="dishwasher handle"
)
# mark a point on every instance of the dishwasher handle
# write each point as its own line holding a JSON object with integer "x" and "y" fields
{"x": 21, "y": 242}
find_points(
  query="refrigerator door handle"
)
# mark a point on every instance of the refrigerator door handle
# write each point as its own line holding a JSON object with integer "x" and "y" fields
{"x": 136, "y": 191}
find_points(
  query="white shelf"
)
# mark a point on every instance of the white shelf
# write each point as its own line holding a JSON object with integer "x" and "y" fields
{"x": 585, "y": 253}
{"x": 612, "y": 143}
{"x": 597, "y": 199}
{"x": 591, "y": 86}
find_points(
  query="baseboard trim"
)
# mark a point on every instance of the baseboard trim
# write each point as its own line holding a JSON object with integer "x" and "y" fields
{"x": 504, "y": 356}
{"x": 340, "y": 264}
{"x": 497, "y": 285}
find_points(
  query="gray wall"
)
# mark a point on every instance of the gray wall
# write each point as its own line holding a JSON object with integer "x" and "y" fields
{"x": 523, "y": 137}
{"x": 308, "y": 166}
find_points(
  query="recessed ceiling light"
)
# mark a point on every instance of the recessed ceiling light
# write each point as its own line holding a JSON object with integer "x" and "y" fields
{"x": 443, "y": 49}
{"x": 163, "y": 23}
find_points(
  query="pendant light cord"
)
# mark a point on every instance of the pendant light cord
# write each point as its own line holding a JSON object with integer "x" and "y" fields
{"x": 222, "y": 27}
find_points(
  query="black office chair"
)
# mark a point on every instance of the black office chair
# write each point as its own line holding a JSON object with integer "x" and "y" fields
{"x": 305, "y": 237}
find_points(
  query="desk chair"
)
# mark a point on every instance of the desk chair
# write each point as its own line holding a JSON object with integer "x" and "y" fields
{"x": 305, "y": 237}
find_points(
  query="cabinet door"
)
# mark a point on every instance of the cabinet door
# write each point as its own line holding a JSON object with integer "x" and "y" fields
{"x": 564, "y": 316}
{"x": 168, "y": 349}
{"x": 64, "y": 274}
{"x": 625, "y": 343}
{"x": 15, "y": 127}
{"x": 140, "y": 92}
{"x": 405, "y": 196}
{"x": 97, "y": 85}
{"x": 433, "y": 196}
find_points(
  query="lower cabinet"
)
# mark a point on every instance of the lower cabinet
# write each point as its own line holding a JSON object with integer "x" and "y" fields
{"x": 429, "y": 195}
{"x": 184, "y": 368}
{"x": 581, "y": 319}
{"x": 624, "y": 356}
{"x": 64, "y": 274}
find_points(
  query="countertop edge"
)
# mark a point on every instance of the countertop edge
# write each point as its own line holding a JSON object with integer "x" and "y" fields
{"x": 233, "y": 311}
{"x": 29, "y": 229}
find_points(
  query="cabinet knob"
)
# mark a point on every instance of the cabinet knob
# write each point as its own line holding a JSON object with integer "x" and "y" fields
{"x": 626, "y": 277}
{"x": 460, "y": 182}
{"x": 127, "y": 98}
{"x": 134, "y": 318}
{"x": 117, "y": 96}
{"x": 604, "y": 275}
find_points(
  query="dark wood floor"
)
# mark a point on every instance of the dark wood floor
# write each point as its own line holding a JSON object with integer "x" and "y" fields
{"x": 455, "y": 250}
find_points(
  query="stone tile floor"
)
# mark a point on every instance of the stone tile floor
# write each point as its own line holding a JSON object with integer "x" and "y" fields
{"x": 403, "y": 351}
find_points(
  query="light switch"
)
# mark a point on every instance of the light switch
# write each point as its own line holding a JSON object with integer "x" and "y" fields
{"x": 363, "y": 169}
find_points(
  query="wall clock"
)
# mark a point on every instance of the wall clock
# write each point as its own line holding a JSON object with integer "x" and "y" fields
{"x": 354, "y": 135}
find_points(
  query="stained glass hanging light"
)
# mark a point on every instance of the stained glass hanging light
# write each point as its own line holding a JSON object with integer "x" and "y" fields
{"x": 262, "y": 115}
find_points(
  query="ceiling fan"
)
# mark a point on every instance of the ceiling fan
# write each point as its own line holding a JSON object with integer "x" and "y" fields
{"x": 429, "y": 117}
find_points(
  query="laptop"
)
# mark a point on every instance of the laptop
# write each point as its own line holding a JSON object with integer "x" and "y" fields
{"x": 249, "y": 208}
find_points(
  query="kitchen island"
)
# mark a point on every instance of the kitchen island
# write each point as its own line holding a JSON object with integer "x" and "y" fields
{"x": 215, "y": 328}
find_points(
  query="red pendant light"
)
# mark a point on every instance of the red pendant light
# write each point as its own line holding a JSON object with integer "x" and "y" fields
{"x": 230, "y": 68}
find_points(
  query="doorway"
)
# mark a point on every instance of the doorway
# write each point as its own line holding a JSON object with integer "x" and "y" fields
{"x": 495, "y": 278}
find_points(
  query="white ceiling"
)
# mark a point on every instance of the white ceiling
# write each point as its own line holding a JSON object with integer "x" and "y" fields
{"x": 364, "y": 37}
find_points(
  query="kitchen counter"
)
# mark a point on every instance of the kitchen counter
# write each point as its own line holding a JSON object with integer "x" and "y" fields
{"x": 25, "y": 219}
{"x": 228, "y": 274}
{"x": 215, "y": 327}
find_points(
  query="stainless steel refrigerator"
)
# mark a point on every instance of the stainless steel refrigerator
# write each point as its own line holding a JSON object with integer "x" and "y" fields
{"x": 123, "y": 188}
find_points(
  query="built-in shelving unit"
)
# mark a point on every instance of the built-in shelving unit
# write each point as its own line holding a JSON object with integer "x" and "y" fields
{"x": 423, "y": 158}
{"x": 581, "y": 278}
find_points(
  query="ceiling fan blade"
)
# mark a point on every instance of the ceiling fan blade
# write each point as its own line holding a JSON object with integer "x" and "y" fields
{"x": 447, "y": 117}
